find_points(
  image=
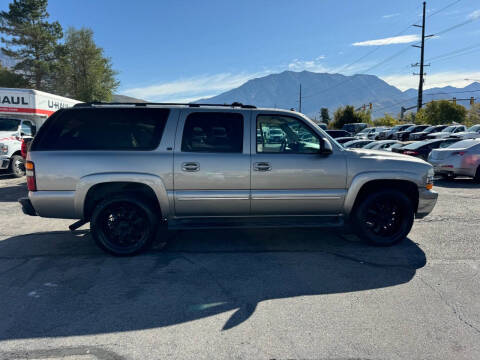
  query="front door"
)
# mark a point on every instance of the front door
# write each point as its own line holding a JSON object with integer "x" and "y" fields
{"x": 289, "y": 175}
{"x": 212, "y": 163}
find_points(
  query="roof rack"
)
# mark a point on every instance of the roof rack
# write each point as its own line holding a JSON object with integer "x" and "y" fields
{"x": 96, "y": 103}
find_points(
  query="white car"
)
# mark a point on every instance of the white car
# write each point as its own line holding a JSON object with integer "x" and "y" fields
{"x": 447, "y": 132}
{"x": 472, "y": 132}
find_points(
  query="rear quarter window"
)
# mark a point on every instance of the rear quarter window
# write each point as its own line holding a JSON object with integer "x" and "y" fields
{"x": 102, "y": 129}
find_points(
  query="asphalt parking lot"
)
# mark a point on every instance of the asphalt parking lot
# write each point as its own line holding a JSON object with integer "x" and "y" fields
{"x": 263, "y": 294}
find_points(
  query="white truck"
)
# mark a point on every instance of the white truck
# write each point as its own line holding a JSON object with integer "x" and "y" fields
{"x": 22, "y": 113}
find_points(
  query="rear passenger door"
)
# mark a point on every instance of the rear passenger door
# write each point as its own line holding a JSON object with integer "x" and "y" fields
{"x": 212, "y": 163}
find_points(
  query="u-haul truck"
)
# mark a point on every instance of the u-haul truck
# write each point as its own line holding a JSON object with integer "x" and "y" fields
{"x": 22, "y": 113}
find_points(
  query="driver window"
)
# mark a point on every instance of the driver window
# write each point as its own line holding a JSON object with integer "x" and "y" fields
{"x": 284, "y": 134}
{"x": 26, "y": 128}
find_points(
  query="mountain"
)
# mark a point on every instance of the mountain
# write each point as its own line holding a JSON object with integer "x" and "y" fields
{"x": 330, "y": 91}
{"x": 124, "y": 98}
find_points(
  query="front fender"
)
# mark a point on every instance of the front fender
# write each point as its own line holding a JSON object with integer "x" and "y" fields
{"x": 153, "y": 181}
{"x": 361, "y": 179}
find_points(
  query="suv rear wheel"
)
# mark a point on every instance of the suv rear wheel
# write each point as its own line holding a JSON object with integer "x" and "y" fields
{"x": 123, "y": 225}
{"x": 383, "y": 218}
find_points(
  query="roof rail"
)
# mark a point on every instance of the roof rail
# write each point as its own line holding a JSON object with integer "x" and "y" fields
{"x": 98, "y": 103}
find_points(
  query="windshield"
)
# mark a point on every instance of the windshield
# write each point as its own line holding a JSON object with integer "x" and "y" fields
{"x": 410, "y": 128}
{"x": 449, "y": 129}
{"x": 474, "y": 128}
{"x": 9, "y": 124}
{"x": 366, "y": 130}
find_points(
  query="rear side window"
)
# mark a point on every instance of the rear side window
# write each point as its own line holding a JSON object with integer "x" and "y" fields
{"x": 103, "y": 129}
{"x": 214, "y": 132}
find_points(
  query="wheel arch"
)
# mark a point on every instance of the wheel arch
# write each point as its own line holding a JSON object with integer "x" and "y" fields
{"x": 366, "y": 183}
{"x": 92, "y": 188}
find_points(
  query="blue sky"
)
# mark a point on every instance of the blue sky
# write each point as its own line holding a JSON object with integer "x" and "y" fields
{"x": 183, "y": 50}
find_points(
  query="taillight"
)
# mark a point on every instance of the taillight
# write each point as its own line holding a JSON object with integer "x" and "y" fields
{"x": 30, "y": 172}
{"x": 23, "y": 149}
{"x": 459, "y": 153}
{"x": 410, "y": 152}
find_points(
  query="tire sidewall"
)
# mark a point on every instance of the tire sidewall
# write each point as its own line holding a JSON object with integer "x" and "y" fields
{"x": 406, "y": 222}
{"x": 13, "y": 169}
{"x": 102, "y": 240}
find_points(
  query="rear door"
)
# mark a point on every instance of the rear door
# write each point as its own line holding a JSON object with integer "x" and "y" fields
{"x": 212, "y": 163}
{"x": 290, "y": 177}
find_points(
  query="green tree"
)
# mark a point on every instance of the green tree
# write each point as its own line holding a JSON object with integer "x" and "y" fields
{"x": 386, "y": 120}
{"x": 441, "y": 112}
{"x": 325, "y": 116}
{"x": 84, "y": 73}
{"x": 10, "y": 79}
{"x": 31, "y": 40}
{"x": 473, "y": 115}
{"x": 348, "y": 115}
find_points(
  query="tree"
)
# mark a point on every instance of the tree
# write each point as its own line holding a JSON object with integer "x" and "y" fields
{"x": 84, "y": 73}
{"x": 473, "y": 115}
{"x": 441, "y": 112}
{"x": 325, "y": 116}
{"x": 348, "y": 115}
{"x": 31, "y": 40}
{"x": 10, "y": 79}
{"x": 387, "y": 120}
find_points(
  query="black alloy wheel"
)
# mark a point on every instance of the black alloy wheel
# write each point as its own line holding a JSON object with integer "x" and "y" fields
{"x": 123, "y": 226}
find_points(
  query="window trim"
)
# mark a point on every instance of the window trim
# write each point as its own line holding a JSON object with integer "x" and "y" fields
{"x": 180, "y": 133}
{"x": 289, "y": 116}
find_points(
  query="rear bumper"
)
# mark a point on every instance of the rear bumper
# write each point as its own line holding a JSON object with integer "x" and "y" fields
{"x": 4, "y": 162}
{"x": 27, "y": 206}
{"x": 54, "y": 204}
{"x": 426, "y": 202}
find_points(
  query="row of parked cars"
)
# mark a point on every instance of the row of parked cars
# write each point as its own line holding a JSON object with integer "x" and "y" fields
{"x": 453, "y": 150}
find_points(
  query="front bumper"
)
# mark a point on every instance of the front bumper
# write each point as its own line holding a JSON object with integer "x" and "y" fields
{"x": 426, "y": 202}
{"x": 4, "y": 162}
{"x": 27, "y": 206}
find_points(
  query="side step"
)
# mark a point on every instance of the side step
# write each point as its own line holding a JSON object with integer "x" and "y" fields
{"x": 257, "y": 223}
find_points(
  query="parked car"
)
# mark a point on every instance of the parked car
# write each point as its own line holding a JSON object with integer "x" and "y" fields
{"x": 472, "y": 132}
{"x": 405, "y": 134}
{"x": 422, "y": 149}
{"x": 381, "y": 145}
{"x": 356, "y": 144}
{"x": 388, "y": 134}
{"x": 322, "y": 125}
{"x": 447, "y": 132}
{"x": 395, "y": 147}
{"x": 375, "y": 134}
{"x": 422, "y": 135}
{"x": 338, "y": 133}
{"x": 354, "y": 127}
{"x": 461, "y": 158}
{"x": 275, "y": 135}
{"x": 364, "y": 133}
{"x": 343, "y": 140}
{"x": 136, "y": 171}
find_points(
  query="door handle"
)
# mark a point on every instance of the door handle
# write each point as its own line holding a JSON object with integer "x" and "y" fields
{"x": 262, "y": 166}
{"x": 190, "y": 166}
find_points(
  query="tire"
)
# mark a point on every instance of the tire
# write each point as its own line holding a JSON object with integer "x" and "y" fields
{"x": 476, "y": 178}
{"x": 17, "y": 166}
{"x": 383, "y": 218}
{"x": 123, "y": 225}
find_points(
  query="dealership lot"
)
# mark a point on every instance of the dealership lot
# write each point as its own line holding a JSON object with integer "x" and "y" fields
{"x": 296, "y": 294}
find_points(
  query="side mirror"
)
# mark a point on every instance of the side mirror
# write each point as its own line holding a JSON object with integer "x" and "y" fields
{"x": 325, "y": 147}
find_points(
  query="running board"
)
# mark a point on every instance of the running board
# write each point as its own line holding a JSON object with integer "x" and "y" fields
{"x": 257, "y": 223}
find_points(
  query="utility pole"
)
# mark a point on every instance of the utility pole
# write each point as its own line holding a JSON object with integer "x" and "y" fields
{"x": 422, "y": 55}
{"x": 300, "y": 100}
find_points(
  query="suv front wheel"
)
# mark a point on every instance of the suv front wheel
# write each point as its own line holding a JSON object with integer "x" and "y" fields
{"x": 123, "y": 225}
{"x": 383, "y": 218}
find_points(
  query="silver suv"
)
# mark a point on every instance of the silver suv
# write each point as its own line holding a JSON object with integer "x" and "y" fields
{"x": 135, "y": 170}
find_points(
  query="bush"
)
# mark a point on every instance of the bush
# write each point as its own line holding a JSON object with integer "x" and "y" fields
{"x": 441, "y": 112}
{"x": 348, "y": 115}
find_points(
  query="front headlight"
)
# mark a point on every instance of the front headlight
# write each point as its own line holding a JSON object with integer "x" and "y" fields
{"x": 3, "y": 149}
{"x": 429, "y": 179}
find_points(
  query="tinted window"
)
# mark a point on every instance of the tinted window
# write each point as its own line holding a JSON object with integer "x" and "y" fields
{"x": 103, "y": 129}
{"x": 9, "y": 124}
{"x": 284, "y": 134}
{"x": 213, "y": 132}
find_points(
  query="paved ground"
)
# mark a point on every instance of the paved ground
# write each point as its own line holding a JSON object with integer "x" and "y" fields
{"x": 309, "y": 294}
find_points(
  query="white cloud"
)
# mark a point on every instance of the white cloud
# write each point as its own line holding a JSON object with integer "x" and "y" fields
{"x": 388, "y": 16}
{"x": 404, "y": 39}
{"x": 474, "y": 15}
{"x": 310, "y": 65}
{"x": 191, "y": 89}
{"x": 456, "y": 79}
